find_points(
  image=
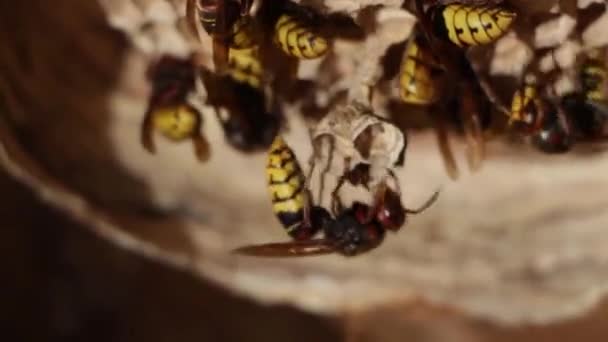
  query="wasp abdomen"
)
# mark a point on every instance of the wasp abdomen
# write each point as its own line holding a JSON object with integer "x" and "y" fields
{"x": 467, "y": 25}
{"x": 245, "y": 66}
{"x": 297, "y": 39}
{"x": 419, "y": 69}
{"x": 177, "y": 122}
{"x": 286, "y": 185}
{"x": 593, "y": 80}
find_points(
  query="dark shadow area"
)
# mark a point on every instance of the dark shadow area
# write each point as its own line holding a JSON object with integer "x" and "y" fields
{"x": 62, "y": 62}
{"x": 65, "y": 284}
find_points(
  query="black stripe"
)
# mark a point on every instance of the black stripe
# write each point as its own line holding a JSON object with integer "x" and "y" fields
{"x": 457, "y": 29}
{"x": 280, "y": 149}
{"x": 295, "y": 173}
{"x": 439, "y": 25}
{"x": 295, "y": 193}
{"x": 472, "y": 28}
{"x": 492, "y": 22}
{"x": 289, "y": 219}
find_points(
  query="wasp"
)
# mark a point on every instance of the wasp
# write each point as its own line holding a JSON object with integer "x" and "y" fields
{"x": 245, "y": 66}
{"x": 447, "y": 30}
{"x": 545, "y": 121}
{"x": 168, "y": 111}
{"x": 422, "y": 82}
{"x": 467, "y": 24}
{"x": 226, "y": 21}
{"x": 588, "y": 104}
{"x": 555, "y": 122}
{"x": 348, "y": 232}
{"x": 419, "y": 73}
{"x": 592, "y": 76}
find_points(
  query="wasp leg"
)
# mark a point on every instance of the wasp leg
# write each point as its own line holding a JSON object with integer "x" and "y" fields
{"x": 312, "y": 163}
{"x": 425, "y": 205}
{"x": 201, "y": 147}
{"x": 319, "y": 144}
{"x": 336, "y": 202}
{"x": 487, "y": 90}
{"x": 444, "y": 148}
{"x": 146, "y": 133}
{"x": 379, "y": 194}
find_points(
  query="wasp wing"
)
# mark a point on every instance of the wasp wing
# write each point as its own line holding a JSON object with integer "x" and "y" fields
{"x": 288, "y": 249}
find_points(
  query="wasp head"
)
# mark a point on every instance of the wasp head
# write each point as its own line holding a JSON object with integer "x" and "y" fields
{"x": 350, "y": 235}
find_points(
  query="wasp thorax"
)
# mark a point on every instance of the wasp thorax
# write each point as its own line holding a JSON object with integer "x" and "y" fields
{"x": 351, "y": 236}
{"x": 470, "y": 25}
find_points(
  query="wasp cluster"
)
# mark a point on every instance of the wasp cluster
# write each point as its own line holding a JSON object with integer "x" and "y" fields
{"x": 439, "y": 76}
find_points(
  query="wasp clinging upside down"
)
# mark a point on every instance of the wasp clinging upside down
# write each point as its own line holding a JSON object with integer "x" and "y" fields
{"x": 251, "y": 117}
{"x": 348, "y": 232}
{"x": 555, "y": 122}
{"x": 438, "y": 51}
{"x": 168, "y": 111}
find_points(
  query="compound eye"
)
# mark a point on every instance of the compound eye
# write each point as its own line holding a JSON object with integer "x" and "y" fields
{"x": 391, "y": 214}
{"x": 391, "y": 218}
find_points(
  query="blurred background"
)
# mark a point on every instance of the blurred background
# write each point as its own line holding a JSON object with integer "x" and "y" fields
{"x": 62, "y": 283}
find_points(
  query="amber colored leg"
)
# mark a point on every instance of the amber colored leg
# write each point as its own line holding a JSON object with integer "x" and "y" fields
{"x": 473, "y": 131}
{"x": 146, "y": 133}
{"x": 201, "y": 147}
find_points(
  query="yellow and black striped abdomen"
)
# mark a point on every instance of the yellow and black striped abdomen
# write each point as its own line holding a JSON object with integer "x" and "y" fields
{"x": 245, "y": 66}
{"x": 467, "y": 25}
{"x": 176, "y": 122}
{"x": 593, "y": 80}
{"x": 417, "y": 84}
{"x": 286, "y": 185}
{"x": 298, "y": 39}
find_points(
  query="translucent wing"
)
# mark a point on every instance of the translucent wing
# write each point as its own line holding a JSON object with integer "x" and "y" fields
{"x": 288, "y": 249}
